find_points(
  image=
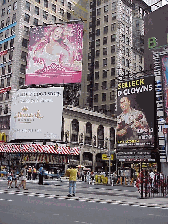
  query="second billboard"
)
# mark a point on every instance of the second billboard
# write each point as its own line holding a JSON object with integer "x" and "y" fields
{"x": 135, "y": 113}
{"x": 55, "y": 54}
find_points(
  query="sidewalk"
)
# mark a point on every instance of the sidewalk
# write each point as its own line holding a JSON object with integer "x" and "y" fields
{"x": 85, "y": 192}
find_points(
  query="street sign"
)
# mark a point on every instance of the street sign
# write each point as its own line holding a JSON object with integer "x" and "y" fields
{"x": 106, "y": 157}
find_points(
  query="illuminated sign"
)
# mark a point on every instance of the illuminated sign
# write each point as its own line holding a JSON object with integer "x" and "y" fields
{"x": 106, "y": 157}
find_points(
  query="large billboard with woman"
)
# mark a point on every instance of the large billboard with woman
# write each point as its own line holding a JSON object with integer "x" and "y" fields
{"x": 55, "y": 54}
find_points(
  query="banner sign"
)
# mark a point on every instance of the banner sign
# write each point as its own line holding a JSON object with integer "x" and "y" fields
{"x": 165, "y": 82}
{"x": 135, "y": 113}
{"x": 36, "y": 113}
{"x": 55, "y": 54}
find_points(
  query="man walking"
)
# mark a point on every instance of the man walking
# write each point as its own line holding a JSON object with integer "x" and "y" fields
{"x": 41, "y": 175}
{"x": 72, "y": 174}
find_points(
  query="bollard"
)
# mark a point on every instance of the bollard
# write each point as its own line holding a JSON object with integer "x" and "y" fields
{"x": 112, "y": 184}
{"x": 93, "y": 182}
{"x": 121, "y": 180}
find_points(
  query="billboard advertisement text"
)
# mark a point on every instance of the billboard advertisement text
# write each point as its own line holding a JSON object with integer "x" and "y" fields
{"x": 55, "y": 54}
{"x": 36, "y": 113}
{"x": 135, "y": 113}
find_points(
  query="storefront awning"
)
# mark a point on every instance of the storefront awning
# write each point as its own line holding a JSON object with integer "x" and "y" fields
{"x": 37, "y": 148}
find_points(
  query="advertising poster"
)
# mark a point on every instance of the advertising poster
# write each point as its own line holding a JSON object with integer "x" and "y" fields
{"x": 135, "y": 113}
{"x": 55, "y": 54}
{"x": 36, "y": 113}
{"x": 165, "y": 82}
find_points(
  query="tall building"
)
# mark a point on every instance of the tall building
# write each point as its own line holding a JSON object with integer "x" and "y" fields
{"x": 16, "y": 18}
{"x": 115, "y": 50}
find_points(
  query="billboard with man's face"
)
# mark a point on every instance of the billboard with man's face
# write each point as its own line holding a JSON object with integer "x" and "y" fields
{"x": 135, "y": 113}
{"x": 55, "y": 54}
{"x": 36, "y": 113}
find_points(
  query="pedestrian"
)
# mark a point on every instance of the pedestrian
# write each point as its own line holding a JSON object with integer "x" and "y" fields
{"x": 34, "y": 173}
{"x": 29, "y": 173}
{"x": 41, "y": 175}
{"x": 72, "y": 174}
{"x": 10, "y": 174}
{"x": 23, "y": 178}
{"x": 152, "y": 176}
{"x": 59, "y": 175}
{"x": 14, "y": 178}
{"x": 82, "y": 175}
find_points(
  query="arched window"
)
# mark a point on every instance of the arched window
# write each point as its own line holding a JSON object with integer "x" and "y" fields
{"x": 88, "y": 134}
{"x": 100, "y": 136}
{"x": 112, "y": 138}
{"x": 75, "y": 130}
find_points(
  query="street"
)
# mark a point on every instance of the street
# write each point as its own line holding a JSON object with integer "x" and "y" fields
{"x": 93, "y": 204}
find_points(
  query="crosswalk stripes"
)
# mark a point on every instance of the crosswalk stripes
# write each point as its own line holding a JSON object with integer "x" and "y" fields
{"x": 82, "y": 199}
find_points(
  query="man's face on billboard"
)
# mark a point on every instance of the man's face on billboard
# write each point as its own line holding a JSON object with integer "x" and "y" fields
{"x": 125, "y": 104}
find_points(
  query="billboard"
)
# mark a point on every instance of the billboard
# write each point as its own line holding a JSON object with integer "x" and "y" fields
{"x": 36, "y": 113}
{"x": 164, "y": 60}
{"x": 135, "y": 113}
{"x": 55, "y": 54}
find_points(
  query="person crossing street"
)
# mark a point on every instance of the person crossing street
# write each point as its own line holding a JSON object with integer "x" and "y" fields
{"x": 72, "y": 174}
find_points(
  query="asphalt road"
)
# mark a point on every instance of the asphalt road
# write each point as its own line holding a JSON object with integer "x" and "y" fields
{"x": 22, "y": 209}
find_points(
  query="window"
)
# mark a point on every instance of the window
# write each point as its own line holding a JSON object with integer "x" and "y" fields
{"x": 96, "y": 86}
{"x": 134, "y": 66}
{"x": 2, "y": 83}
{"x": 127, "y": 52}
{"x": 105, "y": 62}
{"x": 62, "y": 2}
{"x": 112, "y": 108}
{"x": 113, "y": 27}
{"x": 13, "y": 30}
{"x": 98, "y": 43}
{"x": 134, "y": 56}
{"x": 27, "y": 18}
{"x": 123, "y": 61}
{"x": 104, "y": 40}
{"x": 127, "y": 19}
{"x": 112, "y": 71}
{"x": 112, "y": 96}
{"x": 45, "y": 14}
{"x": 7, "y": 33}
{"x": 96, "y": 98}
{"x": 140, "y": 59}
{"x": 62, "y": 12}
{"x": 35, "y": 22}
{"x": 123, "y": 38}
{"x": 104, "y": 73}
{"x": 12, "y": 42}
{"x": 140, "y": 68}
{"x": 105, "y": 51}
{"x": 2, "y": 24}
{"x": 69, "y": 5}
{"x": 113, "y": 6}
{"x": 96, "y": 108}
{"x": 3, "y": 12}
{"x": 106, "y": 8}
{"x": 103, "y": 96}
{"x": 105, "y": 29}
{"x": 53, "y": 19}
{"x": 36, "y": 10}
{"x": 98, "y": 12}
{"x": 53, "y": 8}
{"x": 122, "y": 27}
{"x": 112, "y": 83}
{"x": 15, "y": 6}
{"x": 24, "y": 42}
{"x": 98, "y": 22}
{"x": 127, "y": 63}
{"x": 26, "y": 30}
{"x": 112, "y": 49}
{"x": 0, "y": 47}
{"x": 113, "y": 60}
{"x": 23, "y": 69}
{"x": 113, "y": 37}
{"x": 9, "y": 9}
{"x": 23, "y": 55}
{"x": 28, "y": 6}
{"x": 127, "y": 41}
{"x": 123, "y": 50}
{"x": 113, "y": 16}
{"x": 106, "y": 18}
{"x": 10, "y": 55}
{"x": 5, "y": 45}
{"x": 88, "y": 88}
{"x": 1, "y": 36}
{"x": 7, "y": 21}
{"x": 97, "y": 75}
{"x": 46, "y": 3}
{"x": 4, "y": 58}
{"x": 98, "y": 32}
{"x": 6, "y": 109}
{"x": 7, "y": 95}
{"x": 127, "y": 30}
{"x": 97, "y": 53}
{"x": 9, "y": 69}
{"x": 3, "y": 70}
{"x": 0, "y": 108}
{"x": 96, "y": 64}
{"x": 88, "y": 77}
{"x": 14, "y": 18}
